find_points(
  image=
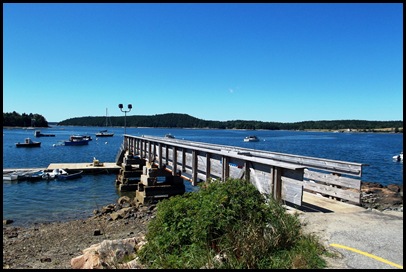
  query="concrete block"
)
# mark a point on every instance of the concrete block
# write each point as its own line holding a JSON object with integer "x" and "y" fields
{"x": 147, "y": 181}
{"x": 128, "y": 187}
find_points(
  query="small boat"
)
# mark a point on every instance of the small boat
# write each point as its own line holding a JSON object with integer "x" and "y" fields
{"x": 251, "y": 138}
{"x": 60, "y": 173}
{"x": 23, "y": 175}
{"x": 32, "y": 176}
{"x": 77, "y": 140}
{"x": 398, "y": 157}
{"x": 10, "y": 176}
{"x": 170, "y": 136}
{"x": 38, "y": 133}
{"x": 28, "y": 143}
{"x": 104, "y": 133}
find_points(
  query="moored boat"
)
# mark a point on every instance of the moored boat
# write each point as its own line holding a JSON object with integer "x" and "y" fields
{"x": 398, "y": 157}
{"x": 28, "y": 143}
{"x": 170, "y": 136}
{"x": 251, "y": 138}
{"x": 104, "y": 133}
{"x": 77, "y": 140}
{"x": 60, "y": 173}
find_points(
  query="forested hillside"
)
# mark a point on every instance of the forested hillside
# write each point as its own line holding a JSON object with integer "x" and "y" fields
{"x": 176, "y": 120}
{"x": 15, "y": 119}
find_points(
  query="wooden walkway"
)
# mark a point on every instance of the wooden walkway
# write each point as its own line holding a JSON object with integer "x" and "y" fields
{"x": 284, "y": 176}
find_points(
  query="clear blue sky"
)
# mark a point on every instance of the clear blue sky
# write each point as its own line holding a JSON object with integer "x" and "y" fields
{"x": 266, "y": 62}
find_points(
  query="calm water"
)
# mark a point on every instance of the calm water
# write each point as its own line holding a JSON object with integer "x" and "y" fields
{"x": 45, "y": 201}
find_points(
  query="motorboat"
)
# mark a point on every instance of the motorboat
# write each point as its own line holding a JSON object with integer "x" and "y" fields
{"x": 33, "y": 175}
{"x": 170, "y": 136}
{"x": 77, "y": 140}
{"x": 398, "y": 157}
{"x": 28, "y": 143}
{"x": 251, "y": 138}
{"x": 60, "y": 173}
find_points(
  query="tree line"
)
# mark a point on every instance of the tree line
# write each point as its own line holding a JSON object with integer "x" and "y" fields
{"x": 14, "y": 119}
{"x": 176, "y": 120}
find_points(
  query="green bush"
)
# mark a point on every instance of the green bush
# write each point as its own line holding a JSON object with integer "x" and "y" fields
{"x": 230, "y": 220}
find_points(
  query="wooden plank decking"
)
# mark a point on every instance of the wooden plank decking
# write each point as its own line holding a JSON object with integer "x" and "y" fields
{"x": 87, "y": 168}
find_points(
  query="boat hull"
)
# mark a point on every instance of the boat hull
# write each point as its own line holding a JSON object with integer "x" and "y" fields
{"x": 28, "y": 145}
{"x": 104, "y": 134}
{"x": 72, "y": 143}
{"x": 70, "y": 176}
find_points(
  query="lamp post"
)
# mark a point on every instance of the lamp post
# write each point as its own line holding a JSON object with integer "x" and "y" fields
{"x": 120, "y": 106}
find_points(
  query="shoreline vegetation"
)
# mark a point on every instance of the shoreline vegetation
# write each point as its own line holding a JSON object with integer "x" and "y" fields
{"x": 176, "y": 120}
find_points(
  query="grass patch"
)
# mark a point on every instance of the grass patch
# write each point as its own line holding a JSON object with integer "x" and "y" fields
{"x": 227, "y": 225}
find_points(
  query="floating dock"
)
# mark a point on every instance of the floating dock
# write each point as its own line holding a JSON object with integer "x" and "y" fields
{"x": 87, "y": 168}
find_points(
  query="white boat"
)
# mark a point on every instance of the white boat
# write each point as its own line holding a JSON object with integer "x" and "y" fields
{"x": 10, "y": 176}
{"x": 60, "y": 173}
{"x": 170, "y": 136}
{"x": 398, "y": 157}
{"x": 251, "y": 138}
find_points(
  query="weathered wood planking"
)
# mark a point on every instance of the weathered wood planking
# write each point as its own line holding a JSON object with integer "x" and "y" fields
{"x": 333, "y": 185}
{"x": 333, "y": 179}
{"x": 330, "y": 190}
{"x": 282, "y": 175}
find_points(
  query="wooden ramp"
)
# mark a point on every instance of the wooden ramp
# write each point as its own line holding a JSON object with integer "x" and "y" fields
{"x": 87, "y": 168}
{"x": 319, "y": 204}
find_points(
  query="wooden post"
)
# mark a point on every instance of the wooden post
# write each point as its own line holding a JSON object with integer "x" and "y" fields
{"x": 207, "y": 166}
{"x": 277, "y": 182}
{"x": 247, "y": 170}
{"x": 183, "y": 160}
{"x": 160, "y": 155}
{"x": 166, "y": 154}
{"x": 194, "y": 167}
{"x": 174, "y": 161}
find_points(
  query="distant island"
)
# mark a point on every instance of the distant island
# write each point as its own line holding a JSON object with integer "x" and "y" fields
{"x": 177, "y": 120}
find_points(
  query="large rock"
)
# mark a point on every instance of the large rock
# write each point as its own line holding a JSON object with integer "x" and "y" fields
{"x": 110, "y": 254}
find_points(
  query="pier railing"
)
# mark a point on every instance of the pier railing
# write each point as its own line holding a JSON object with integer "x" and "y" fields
{"x": 284, "y": 176}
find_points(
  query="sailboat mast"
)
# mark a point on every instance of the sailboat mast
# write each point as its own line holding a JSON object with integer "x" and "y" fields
{"x": 107, "y": 124}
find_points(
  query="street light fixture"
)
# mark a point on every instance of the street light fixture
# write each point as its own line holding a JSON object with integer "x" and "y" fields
{"x": 125, "y": 114}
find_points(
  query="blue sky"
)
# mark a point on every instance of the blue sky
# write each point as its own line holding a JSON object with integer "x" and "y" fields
{"x": 266, "y": 62}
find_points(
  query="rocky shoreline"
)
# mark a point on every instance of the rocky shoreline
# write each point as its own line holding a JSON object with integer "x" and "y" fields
{"x": 54, "y": 245}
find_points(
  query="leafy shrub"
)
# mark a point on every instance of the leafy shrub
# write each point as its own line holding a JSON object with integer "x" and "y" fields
{"x": 232, "y": 221}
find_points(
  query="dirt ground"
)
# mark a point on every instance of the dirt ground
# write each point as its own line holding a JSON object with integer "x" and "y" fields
{"x": 53, "y": 245}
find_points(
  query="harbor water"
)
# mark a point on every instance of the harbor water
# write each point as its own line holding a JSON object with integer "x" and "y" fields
{"x": 28, "y": 202}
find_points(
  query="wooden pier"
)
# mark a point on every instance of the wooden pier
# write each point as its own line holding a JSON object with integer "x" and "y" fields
{"x": 283, "y": 176}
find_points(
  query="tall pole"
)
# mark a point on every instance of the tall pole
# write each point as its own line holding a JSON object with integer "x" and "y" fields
{"x": 125, "y": 122}
{"x": 120, "y": 106}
